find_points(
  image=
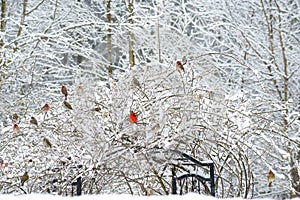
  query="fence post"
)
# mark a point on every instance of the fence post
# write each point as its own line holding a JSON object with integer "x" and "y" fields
{"x": 191, "y": 161}
{"x": 212, "y": 179}
{"x": 79, "y": 186}
{"x": 174, "y": 184}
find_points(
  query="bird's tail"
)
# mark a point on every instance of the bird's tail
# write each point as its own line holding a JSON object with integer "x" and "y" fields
{"x": 270, "y": 183}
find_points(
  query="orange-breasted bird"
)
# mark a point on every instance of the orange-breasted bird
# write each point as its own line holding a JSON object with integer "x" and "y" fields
{"x": 179, "y": 65}
{"x": 45, "y": 108}
{"x": 132, "y": 117}
{"x": 271, "y": 178}
{"x": 64, "y": 91}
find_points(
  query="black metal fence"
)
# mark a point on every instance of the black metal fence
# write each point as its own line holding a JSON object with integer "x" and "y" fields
{"x": 78, "y": 186}
{"x": 191, "y": 175}
{"x": 188, "y": 175}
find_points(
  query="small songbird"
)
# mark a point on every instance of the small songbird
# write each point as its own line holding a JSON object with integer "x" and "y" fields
{"x": 15, "y": 117}
{"x": 47, "y": 142}
{"x": 179, "y": 65}
{"x": 67, "y": 105}
{"x": 132, "y": 117}
{"x": 184, "y": 60}
{"x": 136, "y": 82}
{"x": 24, "y": 178}
{"x": 97, "y": 109}
{"x": 45, "y": 108}
{"x": 64, "y": 91}
{"x": 33, "y": 121}
{"x": 271, "y": 178}
{"x": 79, "y": 89}
{"x": 16, "y": 128}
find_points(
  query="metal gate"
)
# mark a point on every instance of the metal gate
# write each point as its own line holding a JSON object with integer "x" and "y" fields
{"x": 191, "y": 175}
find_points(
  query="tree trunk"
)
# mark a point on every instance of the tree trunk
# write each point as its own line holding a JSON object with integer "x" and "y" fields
{"x": 25, "y": 2}
{"x": 109, "y": 37}
{"x": 274, "y": 24}
{"x": 158, "y": 35}
{"x": 3, "y": 20}
{"x": 130, "y": 34}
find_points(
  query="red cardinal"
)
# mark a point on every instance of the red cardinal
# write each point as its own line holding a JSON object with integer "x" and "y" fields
{"x": 45, "y": 108}
{"x": 132, "y": 117}
{"x": 179, "y": 66}
{"x": 64, "y": 91}
{"x": 16, "y": 128}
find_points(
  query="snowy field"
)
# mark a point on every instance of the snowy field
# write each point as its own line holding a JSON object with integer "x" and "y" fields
{"x": 189, "y": 196}
{"x": 106, "y": 197}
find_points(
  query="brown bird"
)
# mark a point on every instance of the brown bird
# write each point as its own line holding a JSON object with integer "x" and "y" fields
{"x": 179, "y": 66}
{"x": 67, "y": 105}
{"x": 271, "y": 178}
{"x": 47, "y": 142}
{"x": 97, "y": 109}
{"x": 15, "y": 117}
{"x": 24, "y": 178}
{"x": 33, "y": 121}
{"x": 64, "y": 91}
{"x": 136, "y": 82}
{"x": 79, "y": 89}
{"x": 184, "y": 60}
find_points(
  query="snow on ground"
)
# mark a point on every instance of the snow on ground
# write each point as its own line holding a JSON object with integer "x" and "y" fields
{"x": 189, "y": 196}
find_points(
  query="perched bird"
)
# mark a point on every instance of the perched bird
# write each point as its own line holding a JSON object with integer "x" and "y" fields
{"x": 97, "y": 109}
{"x": 24, "y": 178}
{"x": 67, "y": 105}
{"x": 45, "y": 108}
{"x": 179, "y": 66}
{"x": 16, "y": 128}
{"x": 184, "y": 60}
{"x": 136, "y": 82}
{"x": 47, "y": 142}
{"x": 15, "y": 117}
{"x": 271, "y": 178}
{"x": 33, "y": 121}
{"x": 79, "y": 89}
{"x": 132, "y": 117}
{"x": 64, "y": 91}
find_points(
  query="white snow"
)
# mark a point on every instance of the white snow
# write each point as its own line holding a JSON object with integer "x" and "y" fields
{"x": 190, "y": 196}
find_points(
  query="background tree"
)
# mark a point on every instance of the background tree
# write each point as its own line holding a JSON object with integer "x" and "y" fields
{"x": 109, "y": 36}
